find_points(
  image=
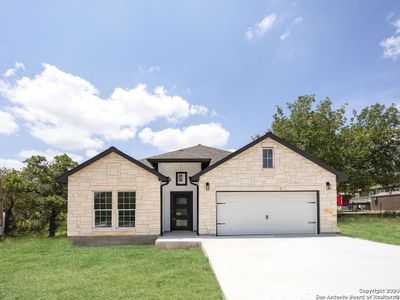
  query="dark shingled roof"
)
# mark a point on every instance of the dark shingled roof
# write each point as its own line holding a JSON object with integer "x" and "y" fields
{"x": 199, "y": 153}
{"x": 146, "y": 162}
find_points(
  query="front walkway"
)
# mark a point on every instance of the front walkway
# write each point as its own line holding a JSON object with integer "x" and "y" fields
{"x": 302, "y": 267}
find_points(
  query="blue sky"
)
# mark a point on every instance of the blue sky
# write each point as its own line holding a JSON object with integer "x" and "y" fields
{"x": 152, "y": 76}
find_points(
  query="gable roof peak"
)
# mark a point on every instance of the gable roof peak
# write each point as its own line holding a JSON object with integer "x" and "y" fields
{"x": 339, "y": 175}
{"x": 64, "y": 177}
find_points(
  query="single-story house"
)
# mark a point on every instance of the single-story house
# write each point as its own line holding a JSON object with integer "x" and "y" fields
{"x": 383, "y": 201}
{"x": 266, "y": 187}
{"x": 386, "y": 201}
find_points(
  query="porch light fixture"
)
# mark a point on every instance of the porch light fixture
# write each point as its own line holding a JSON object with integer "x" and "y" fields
{"x": 328, "y": 185}
{"x": 207, "y": 186}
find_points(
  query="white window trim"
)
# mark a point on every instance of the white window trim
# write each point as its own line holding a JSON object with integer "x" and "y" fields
{"x": 273, "y": 158}
{"x": 94, "y": 211}
{"x": 117, "y": 209}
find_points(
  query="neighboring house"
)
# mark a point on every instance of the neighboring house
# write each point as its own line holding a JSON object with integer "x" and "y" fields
{"x": 379, "y": 202}
{"x": 376, "y": 190}
{"x": 266, "y": 187}
{"x": 363, "y": 202}
{"x": 386, "y": 201}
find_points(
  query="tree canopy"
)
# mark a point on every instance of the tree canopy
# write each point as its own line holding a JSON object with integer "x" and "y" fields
{"x": 365, "y": 146}
{"x": 33, "y": 200}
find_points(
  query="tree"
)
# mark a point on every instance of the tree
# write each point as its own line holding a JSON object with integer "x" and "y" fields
{"x": 372, "y": 150}
{"x": 3, "y": 172}
{"x": 14, "y": 186}
{"x": 366, "y": 147}
{"x": 315, "y": 131}
{"x": 56, "y": 203}
{"x": 51, "y": 195}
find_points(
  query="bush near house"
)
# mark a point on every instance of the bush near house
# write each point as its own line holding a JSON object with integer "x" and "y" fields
{"x": 384, "y": 229}
{"x": 40, "y": 268}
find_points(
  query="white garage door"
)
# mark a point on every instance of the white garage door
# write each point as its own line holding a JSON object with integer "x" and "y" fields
{"x": 266, "y": 213}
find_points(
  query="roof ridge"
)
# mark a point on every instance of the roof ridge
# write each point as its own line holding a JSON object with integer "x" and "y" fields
{"x": 212, "y": 148}
{"x": 189, "y": 150}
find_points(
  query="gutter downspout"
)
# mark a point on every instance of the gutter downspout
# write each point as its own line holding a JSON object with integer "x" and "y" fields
{"x": 197, "y": 201}
{"x": 161, "y": 204}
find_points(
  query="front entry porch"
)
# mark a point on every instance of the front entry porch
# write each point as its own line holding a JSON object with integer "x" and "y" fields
{"x": 179, "y": 239}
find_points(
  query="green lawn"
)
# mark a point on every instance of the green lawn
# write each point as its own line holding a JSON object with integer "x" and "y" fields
{"x": 41, "y": 268}
{"x": 374, "y": 228}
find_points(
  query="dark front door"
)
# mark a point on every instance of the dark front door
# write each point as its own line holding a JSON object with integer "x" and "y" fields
{"x": 181, "y": 211}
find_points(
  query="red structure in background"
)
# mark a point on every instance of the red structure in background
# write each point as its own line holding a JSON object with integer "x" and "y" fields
{"x": 343, "y": 200}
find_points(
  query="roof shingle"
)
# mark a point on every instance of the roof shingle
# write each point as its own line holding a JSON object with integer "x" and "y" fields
{"x": 199, "y": 152}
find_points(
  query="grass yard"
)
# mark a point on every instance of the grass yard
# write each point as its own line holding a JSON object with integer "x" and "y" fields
{"x": 374, "y": 228}
{"x": 41, "y": 268}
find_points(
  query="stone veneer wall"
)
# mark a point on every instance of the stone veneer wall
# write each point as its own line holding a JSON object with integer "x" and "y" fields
{"x": 113, "y": 173}
{"x": 244, "y": 172}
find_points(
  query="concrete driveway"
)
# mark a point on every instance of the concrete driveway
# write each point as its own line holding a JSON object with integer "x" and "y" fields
{"x": 303, "y": 267}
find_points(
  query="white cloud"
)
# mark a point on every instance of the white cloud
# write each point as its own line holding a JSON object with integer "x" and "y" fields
{"x": 198, "y": 110}
{"x": 391, "y": 45}
{"x": 298, "y": 20}
{"x": 295, "y": 22}
{"x": 11, "y": 164}
{"x": 285, "y": 35}
{"x": 260, "y": 28}
{"x": 49, "y": 154}
{"x": 11, "y": 72}
{"x": 211, "y": 134}
{"x": 397, "y": 25}
{"x": 91, "y": 153}
{"x": 66, "y": 111}
{"x": 7, "y": 123}
{"x": 154, "y": 69}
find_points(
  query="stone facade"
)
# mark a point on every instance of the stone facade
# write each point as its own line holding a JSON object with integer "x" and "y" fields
{"x": 244, "y": 172}
{"x": 116, "y": 174}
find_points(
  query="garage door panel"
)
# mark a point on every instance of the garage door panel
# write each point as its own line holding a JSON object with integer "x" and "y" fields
{"x": 266, "y": 213}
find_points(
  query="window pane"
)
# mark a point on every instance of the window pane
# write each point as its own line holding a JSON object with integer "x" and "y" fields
{"x": 182, "y": 201}
{"x": 102, "y": 200}
{"x": 181, "y": 212}
{"x": 102, "y": 218}
{"x": 126, "y": 218}
{"x": 269, "y": 163}
{"x": 180, "y": 222}
{"x": 181, "y": 178}
{"x": 126, "y": 200}
{"x": 267, "y": 158}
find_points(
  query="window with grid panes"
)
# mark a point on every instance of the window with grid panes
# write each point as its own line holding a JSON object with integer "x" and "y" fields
{"x": 102, "y": 209}
{"x": 126, "y": 209}
{"x": 268, "y": 158}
